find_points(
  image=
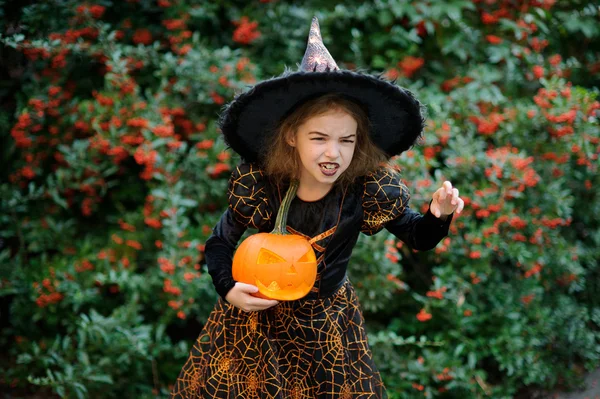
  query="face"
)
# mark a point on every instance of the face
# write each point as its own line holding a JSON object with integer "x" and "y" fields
{"x": 325, "y": 144}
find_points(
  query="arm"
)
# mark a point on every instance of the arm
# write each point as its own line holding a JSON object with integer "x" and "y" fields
{"x": 219, "y": 249}
{"x": 385, "y": 203}
{"x": 248, "y": 208}
{"x": 420, "y": 232}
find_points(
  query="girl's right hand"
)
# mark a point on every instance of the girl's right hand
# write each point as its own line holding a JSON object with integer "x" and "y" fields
{"x": 239, "y": 296}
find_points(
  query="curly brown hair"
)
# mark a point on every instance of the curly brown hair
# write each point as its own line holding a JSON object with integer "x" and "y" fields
{"x": 282, "y": 162}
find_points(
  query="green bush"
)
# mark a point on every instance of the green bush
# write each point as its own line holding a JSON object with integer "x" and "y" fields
{"x": 115, "y": 174}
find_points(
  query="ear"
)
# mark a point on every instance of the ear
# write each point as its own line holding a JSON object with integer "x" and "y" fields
{"x": 290, "y": 138}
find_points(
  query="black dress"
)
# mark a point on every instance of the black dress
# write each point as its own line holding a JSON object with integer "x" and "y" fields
{"x": 315, "y": 347}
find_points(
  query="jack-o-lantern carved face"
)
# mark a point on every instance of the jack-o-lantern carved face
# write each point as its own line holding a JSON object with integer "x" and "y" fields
{"x": 283, "y": 267}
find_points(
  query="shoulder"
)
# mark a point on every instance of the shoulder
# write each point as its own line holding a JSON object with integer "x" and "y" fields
{"x": 248, "y": 197}
{"x": 384, "y": 198}
{"x": 383, "y": 187}
{"x": 246, "y": 176}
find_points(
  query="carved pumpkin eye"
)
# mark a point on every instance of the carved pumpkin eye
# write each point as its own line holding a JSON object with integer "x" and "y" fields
{"x": 308, "y": 257}
{"x": 266, "y": 257}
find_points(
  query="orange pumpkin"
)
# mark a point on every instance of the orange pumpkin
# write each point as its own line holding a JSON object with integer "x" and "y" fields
{"x": 283, "y": 266}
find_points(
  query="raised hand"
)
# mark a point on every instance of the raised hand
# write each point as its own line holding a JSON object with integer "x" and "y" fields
{"x": 446, "y": 201}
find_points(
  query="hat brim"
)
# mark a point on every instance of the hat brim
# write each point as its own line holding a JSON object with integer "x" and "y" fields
{"x": 250, "y": 120}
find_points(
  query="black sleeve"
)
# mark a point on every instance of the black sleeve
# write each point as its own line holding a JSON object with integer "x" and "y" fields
{"x": 248, "y": 208}
{"x": 420, "y": 232}
{"x": 219, "y": 249}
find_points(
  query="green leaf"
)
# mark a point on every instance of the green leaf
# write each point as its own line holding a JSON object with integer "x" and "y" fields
{"x": 100, "y": 378}
{"x": 189, "y": 203}
{"x": 385, "y": 18}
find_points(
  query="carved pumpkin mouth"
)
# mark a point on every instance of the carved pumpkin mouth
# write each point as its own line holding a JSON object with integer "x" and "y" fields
{"x": 274, "y": 291}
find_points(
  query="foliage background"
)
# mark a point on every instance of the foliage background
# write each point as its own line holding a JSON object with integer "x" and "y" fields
{"x": 114, "y": 173}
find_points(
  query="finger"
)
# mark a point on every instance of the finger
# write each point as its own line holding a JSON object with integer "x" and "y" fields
{"x": 250, "y": 307}
{"x": 264, "y": 302}
{"x": 454, "y": 196}
{"x": 261, "y": 303}
{"x": 442, "y": 194}
{"x": 248, "y": 288}
{"x": 461, "y": 205}
{"x": 435, "y": 203}
{"x": 448, "y": 187}
{"x": 269, "y": 306}
{"x": 255, "y": 308}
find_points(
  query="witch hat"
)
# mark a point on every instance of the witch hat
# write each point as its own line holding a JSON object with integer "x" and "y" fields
{"x": 249, "y": 122}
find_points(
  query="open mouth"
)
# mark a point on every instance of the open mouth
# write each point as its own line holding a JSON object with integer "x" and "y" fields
{"x": 274, "y": 291}
{"x": 329, "y": 168}
{"x": 328, "y": 165}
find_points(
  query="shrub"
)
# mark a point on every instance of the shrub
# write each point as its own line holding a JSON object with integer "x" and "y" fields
{"x": 116, "y": 174}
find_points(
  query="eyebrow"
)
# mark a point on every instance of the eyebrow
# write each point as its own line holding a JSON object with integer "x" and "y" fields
{"x": 326, "y": 135}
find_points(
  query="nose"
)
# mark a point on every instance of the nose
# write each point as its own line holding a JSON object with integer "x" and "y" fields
{"x": 333, "y": 149}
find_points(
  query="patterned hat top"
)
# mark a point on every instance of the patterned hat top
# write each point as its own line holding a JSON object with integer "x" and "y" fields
{"x": 317, "y": 57}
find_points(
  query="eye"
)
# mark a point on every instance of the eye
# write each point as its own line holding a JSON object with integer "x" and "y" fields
{"x": 267, "y": 257}
{"x": 308, "y": 257}
{"x": 348, "y": 141}
{"x": 318, "y": 138}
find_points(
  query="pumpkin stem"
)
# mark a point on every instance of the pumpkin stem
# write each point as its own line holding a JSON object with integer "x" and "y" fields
{"x": 282, "y": 213}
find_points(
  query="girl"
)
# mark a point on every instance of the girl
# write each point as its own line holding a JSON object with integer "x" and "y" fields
{"x": 334, "y": 132}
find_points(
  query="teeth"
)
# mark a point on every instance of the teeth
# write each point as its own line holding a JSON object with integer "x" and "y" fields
{"x": 328, "y": 166}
